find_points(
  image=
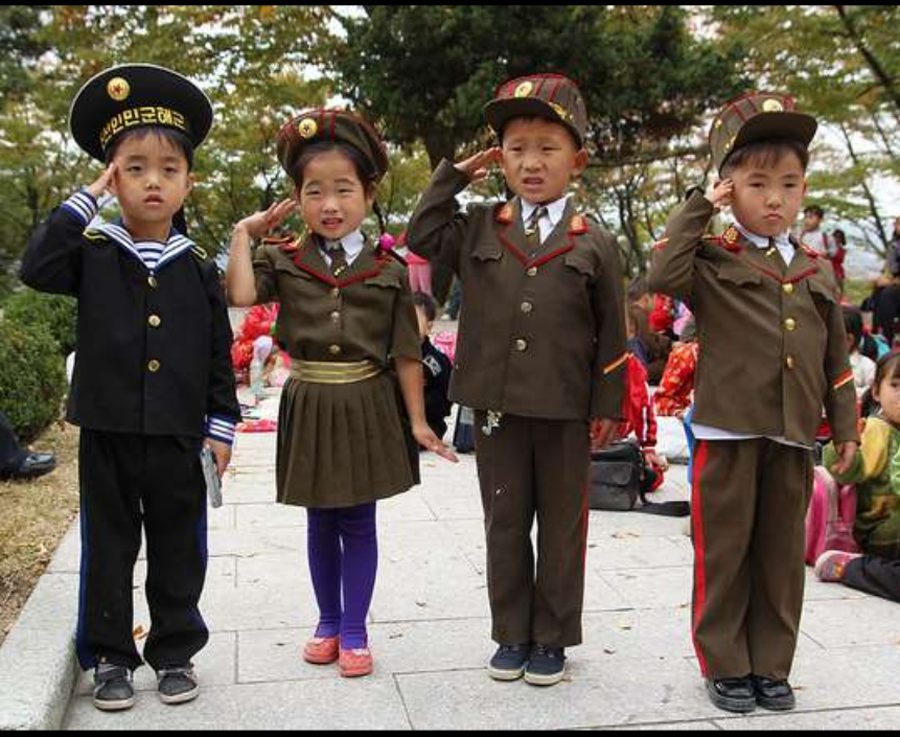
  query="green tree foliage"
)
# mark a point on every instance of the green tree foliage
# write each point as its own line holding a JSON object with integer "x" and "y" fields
{"x": 426, "y": 71}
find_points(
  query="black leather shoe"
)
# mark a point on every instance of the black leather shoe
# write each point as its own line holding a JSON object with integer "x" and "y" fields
{"x": 32, "y": 466}
{"x": 732, "y": 694}
{"x": 772, "y": 694}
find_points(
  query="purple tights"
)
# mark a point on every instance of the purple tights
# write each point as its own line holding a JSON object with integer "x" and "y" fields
{"x": 342, "y": 549}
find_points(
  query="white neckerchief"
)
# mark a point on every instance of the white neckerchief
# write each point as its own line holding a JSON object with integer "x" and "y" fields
{"x": 782, "y": 242}
{"x": 353, "y": 245}
{"x": 547, "y": 223}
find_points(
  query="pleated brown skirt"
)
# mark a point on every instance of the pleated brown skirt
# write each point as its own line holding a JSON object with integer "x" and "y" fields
{"x": 340, "y": 445}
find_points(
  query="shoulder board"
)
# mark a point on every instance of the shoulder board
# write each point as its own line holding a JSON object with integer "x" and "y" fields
{"x": 505, "y": 214}
{"x": 276, "y": 240}
{"x": 96, "y": 236}
{"x": 578, "y": 225}
{"x": 199, "y": 253}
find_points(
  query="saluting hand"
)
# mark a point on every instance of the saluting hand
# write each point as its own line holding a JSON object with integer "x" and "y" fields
{"x": 262, "y": 222}
{"x": 425, "y": 437}
{"x": 847, "y": 452}
{"x": 722, "y": 194}
{"x": 477, "y": 167}
{"x": 102, "y": 183}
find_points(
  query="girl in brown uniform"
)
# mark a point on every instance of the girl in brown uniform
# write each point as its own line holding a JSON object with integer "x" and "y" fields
{"x": 346, "y": 318}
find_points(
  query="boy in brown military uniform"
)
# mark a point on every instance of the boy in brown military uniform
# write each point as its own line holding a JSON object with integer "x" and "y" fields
{"x": 541, "y": 351}
{"x": 774, "y": 352}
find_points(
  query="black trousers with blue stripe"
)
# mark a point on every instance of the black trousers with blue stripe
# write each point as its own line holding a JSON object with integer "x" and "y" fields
{"x": 130, "y": 482}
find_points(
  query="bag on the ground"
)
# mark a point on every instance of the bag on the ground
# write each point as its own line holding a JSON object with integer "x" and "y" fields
{"x": 616, "y": 482}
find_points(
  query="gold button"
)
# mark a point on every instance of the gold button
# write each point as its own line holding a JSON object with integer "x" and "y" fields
{"x": 788, "y": 288}
{"x": 789, "y": 362}
{"x": 790, "y": 324}
{"x": 334, "y": 350}
{"x": 335, "y": 315}
{"x": 527, "y": 307}
{"x": 521, "y": 345}
{"x": 154, "y": 321}
{"x": 532, "y": 271}
{"x": 151, "y": 281}
{"x": 153, "y": 366}
{"x": 335, "y": 292}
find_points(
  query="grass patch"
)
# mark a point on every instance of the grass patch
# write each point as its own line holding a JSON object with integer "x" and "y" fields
{"x": 34, "y": 515}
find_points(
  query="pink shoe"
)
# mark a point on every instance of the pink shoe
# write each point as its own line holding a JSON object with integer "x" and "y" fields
{"x": 355, "y": 662}
{"x": 830, "y": 565}
{"x": 321, "y": 650}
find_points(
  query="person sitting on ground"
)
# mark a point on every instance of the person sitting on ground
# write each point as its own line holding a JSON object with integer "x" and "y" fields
{"x": 876, "y": 473}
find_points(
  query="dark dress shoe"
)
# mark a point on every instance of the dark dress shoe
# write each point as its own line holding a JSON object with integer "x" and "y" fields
{"x": 772, "y": 694}
{"x": 32, "y": 466}
{"x": 732, "y": 694}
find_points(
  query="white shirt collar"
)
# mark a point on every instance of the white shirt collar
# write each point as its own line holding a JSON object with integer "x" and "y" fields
{"x": 353, "y": 244}
{"x": 555, "y": 210}
{"x": 782, "y": 240}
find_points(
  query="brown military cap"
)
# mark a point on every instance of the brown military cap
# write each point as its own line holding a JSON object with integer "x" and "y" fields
{"x": 129, "y": 96}
{"x": 550, "y": 96}
{"x": 314, "y": 126}
{"x": 757, "y": 116}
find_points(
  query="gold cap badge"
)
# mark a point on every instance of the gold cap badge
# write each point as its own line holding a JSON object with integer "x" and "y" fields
{"x": 523, "y": 89}
{"x": 118, "y": 89}
{"x": 307, "y": 128}
{"x": 772, "y": 106}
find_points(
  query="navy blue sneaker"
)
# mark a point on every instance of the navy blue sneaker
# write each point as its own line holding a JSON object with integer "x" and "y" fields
{"x": 546, "y": 666}
{"x": 113, "y": 690}
{"x": 508, "y": 663}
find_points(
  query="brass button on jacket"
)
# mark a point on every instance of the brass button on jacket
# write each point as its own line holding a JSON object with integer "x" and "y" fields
{"x": 154, "y": 321}
{"x": 153, "y": 366}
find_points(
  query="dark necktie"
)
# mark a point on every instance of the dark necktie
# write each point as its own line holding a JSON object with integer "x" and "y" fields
{"x": 533, "y": 231}
{"x": 773, "y": 252}
{"x": 338, "y": 258}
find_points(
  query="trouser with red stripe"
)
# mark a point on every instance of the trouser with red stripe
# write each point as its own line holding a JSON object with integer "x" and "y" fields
{"x": 749, "y": 500}
{"x": 531, "y": 468}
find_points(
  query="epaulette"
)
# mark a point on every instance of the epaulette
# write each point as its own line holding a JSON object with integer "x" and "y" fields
{"x": 277, "y": 240}
{"x": 578, "y": 225}
{"x": 199, "y": 253}
{"x": 96, "y": 236}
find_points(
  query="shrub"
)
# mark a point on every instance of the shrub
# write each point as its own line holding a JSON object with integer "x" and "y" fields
{"x": 32, "y": 378}
{"x": 57, "y": 312}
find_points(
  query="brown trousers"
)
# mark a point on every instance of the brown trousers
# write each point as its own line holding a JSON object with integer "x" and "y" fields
{"x": 748, "y": 507}
{"x": 532, "y": 467}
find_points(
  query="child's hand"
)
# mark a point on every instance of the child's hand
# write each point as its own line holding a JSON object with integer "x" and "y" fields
{"x": 222, "y": 453}
{"x": 846, "y": 452}
{"x": 722, "y": 194}
{"x": 260, "y": 223}
{"x": 425, "y": 437}
{"x": 477, "y": 167}
{"x": 99, "y": 186}
{"x": 655, "y": 460}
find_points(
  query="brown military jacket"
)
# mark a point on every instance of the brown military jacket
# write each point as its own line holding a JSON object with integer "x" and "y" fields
{"x": 539, "y": 337}
{"x": 772, "y": 340}
{"x": 366, "y": 315}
